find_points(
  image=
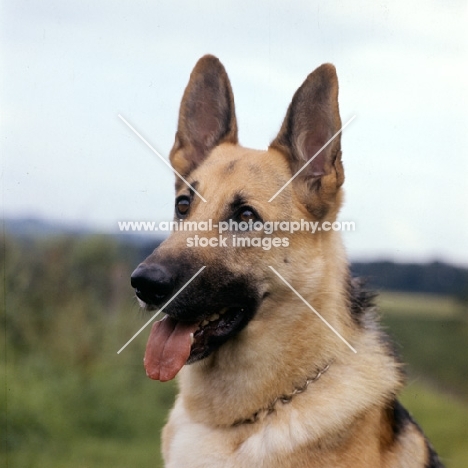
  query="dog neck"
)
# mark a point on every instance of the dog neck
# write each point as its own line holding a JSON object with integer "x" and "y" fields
{"x": 283, "y": 399}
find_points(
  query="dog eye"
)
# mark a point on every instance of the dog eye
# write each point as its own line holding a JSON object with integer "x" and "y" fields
{"x": 246, "y": 215}
{"x": 182, "y": 205}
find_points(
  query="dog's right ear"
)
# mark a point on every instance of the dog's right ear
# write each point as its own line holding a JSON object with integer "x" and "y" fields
{"x": 207, "y": 116}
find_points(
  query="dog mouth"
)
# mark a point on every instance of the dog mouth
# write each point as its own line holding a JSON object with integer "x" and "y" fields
{"x": 213, "y": 331}
{"x": 174, "y": 343}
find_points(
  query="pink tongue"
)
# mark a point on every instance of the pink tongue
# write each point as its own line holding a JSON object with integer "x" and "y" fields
{"x": 168, "y": 348}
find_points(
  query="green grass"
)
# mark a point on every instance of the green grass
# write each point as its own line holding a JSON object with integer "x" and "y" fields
{"x": 426, "y": 305}
{"x": 432, "y": 337}
{"x": 59, "y": 410}
{"x": 110, "y": 417}
{"x": 444, "y": 421}
{"x": 434, "y": 346}
{"x": 89, "y": 453}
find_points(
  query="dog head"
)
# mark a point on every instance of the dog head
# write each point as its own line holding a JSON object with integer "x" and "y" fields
{"x": 221, "y": 181}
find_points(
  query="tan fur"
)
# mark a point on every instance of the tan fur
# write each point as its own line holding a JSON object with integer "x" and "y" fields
{"x": 343, "y": 419}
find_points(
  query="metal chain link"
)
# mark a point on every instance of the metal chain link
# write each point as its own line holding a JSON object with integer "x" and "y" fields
{"x": 284, "y": 399}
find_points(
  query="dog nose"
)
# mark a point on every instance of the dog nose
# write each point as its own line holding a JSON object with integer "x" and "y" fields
{"x": 152, "y": 283}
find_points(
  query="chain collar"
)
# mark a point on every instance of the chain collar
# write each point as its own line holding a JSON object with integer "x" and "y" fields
{"x": 284, "y": 399}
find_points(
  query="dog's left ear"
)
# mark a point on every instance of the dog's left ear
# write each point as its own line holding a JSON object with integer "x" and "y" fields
{"x": 207, "y": 116}
{"x": 312, "y": 119}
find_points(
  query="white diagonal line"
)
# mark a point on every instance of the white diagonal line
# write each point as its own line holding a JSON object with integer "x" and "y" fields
{"x": 312, "y": 158}
{"x": 161, "y": 309}
{"x": 313, "y": 310}
{"x": 158, "y": 154}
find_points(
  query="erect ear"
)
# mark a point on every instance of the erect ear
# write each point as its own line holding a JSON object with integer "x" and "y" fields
{"x": 312, "y": 119}
{"x": 206, "y": 118}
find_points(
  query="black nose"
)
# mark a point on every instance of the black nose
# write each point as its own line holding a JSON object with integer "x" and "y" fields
{"x": 152, "y": 283}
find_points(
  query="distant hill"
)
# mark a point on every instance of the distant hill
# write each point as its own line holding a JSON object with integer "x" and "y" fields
{"x": 434, "y": 277}
{"x": 36, "y": 227}
{"x": 30, "y": 228}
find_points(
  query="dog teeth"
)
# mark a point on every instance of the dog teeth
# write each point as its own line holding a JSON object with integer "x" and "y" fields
{"x": 192, "y": 339}
{"x": 213, "y": 318}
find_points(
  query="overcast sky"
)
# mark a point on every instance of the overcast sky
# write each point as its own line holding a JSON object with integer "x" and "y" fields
{"x": 68, "y": 68}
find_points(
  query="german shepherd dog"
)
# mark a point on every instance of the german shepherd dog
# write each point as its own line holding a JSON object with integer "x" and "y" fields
{"x": 264, "y": 382}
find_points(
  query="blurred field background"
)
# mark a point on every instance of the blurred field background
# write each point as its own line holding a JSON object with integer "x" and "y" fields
{"x": 68, "y": 400}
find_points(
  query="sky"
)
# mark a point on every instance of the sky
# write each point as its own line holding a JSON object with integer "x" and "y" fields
{"x": 68, "y": 68}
